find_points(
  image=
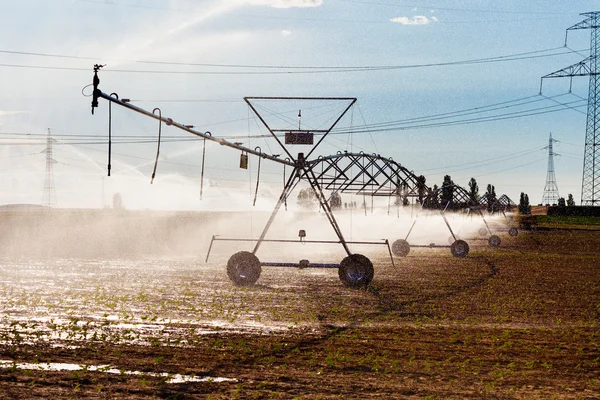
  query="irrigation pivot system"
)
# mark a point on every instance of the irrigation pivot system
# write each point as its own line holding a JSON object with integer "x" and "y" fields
{"x": 376, "y": 174}
{"x": 443, "y": 199}
{"x": 345, "y": 172}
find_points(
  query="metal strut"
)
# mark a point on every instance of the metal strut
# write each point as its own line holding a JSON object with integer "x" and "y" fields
{"x": 189, "y": 129}
{"x": 291, "y": 182}
{"x": 302, "y": 169}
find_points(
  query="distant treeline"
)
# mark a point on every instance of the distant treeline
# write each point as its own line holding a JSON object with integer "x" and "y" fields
{"x": 575, "y": 211}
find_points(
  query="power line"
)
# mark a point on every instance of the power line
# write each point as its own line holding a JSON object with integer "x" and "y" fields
{"x": 474, "y": 10}
{"x": 499, "y": 117}
{"x": 452, "y": 114}
{"x": 504, "y": 169}
{"x": 474, "y": 164}
{"x": 92, "y": 139}
{"x": 281, "y": 69}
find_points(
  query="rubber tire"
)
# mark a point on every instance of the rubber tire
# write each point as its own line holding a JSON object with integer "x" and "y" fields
{"x": 243, "y": 268}
{"x": 482, "y": 231}
{"x": 494, "y": 241}
{"x": 356, "y": 271}
{"x": 460, "y": 248}
{"x": 400, "y": 248}
{"x": 513, "y": 231}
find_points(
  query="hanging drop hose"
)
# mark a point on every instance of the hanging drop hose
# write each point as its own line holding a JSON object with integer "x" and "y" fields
{"x": 257, "y": 148}
{"x": 158, "y": 148}
{"x": 363, "y": 187}
{"x": 390, "y": 197}
{"x": 110, "y": 131}
{"x": 203, "y": 157}
{"x": 285, "y": 197}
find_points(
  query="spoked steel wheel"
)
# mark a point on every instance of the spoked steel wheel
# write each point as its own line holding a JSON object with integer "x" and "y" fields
{"x": 356, "y": 271}
{"x": 243, "y": 268}
{"x": 494, "y": 241}
{"x": 400, "y": 248}
{"x": 459, "y": 248}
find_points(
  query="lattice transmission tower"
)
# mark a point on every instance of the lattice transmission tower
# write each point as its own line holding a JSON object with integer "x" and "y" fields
{"x": 49, "y": 195}
{"x": 551, "y": 195}
{"x": 590, "y": 185}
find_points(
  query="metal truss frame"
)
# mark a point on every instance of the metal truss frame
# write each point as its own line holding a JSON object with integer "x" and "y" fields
{"x": 244, "y": 267}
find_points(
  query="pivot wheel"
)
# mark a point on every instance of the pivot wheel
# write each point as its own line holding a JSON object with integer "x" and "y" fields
{"x": 243, "y": 268}
{"x": 400, "y": 248}
{"x": 356, "y": 271}
{"x": 513, "y": 231}
{"x": 494, "y": 241}
{"x": 459, "y": 248}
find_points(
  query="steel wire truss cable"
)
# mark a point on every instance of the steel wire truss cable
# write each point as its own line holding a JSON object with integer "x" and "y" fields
{"x": 372, "y": 128}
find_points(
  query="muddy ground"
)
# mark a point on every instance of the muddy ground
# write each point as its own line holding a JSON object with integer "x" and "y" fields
{"x": 519, "y": 321}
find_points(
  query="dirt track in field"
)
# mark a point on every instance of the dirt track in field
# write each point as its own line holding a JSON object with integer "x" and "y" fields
{"x": 519, "y": 321}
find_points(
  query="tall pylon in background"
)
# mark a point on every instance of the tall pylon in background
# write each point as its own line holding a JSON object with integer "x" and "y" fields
{"x": 49, "y": 195}
{"x": 551, "y": 195}
{"x": 590, "y": 185}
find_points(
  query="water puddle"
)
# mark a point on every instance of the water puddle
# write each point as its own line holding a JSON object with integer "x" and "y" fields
{"x": 169, "y": 378}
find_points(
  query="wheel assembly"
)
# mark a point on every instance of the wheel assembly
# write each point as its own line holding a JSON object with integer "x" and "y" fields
{"x": 494, "y": 241}
{"x": 482, "y": 231}
{"x": 459, "y": 248}
{"x": 243, "y": 268}
{"x": 400, "y": 248}
{"x": 513, "y": 231}
{"x": 356, "y": 271}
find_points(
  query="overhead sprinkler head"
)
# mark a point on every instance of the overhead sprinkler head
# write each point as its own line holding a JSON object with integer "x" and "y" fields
{"x": 95, "y": 82}
{"x": 302, "y": 234}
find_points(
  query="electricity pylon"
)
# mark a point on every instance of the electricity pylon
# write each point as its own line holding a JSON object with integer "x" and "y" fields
{"x": 49, "y": 195}
{"x": 590, "y": 183}
{"x": 551, "y": 195}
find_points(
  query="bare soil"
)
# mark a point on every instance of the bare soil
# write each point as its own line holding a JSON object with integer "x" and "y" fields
{"x": 518, "y": 321}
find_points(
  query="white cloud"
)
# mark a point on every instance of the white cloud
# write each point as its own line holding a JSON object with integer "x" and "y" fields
{"x": 6, "y": 112}
{"x": 416, "y": 20}
{"x": 284, "y": 3}
{"x": 285, "y": 32}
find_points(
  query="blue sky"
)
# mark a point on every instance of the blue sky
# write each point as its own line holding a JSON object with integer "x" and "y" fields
{"x": 41, "y": 90}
